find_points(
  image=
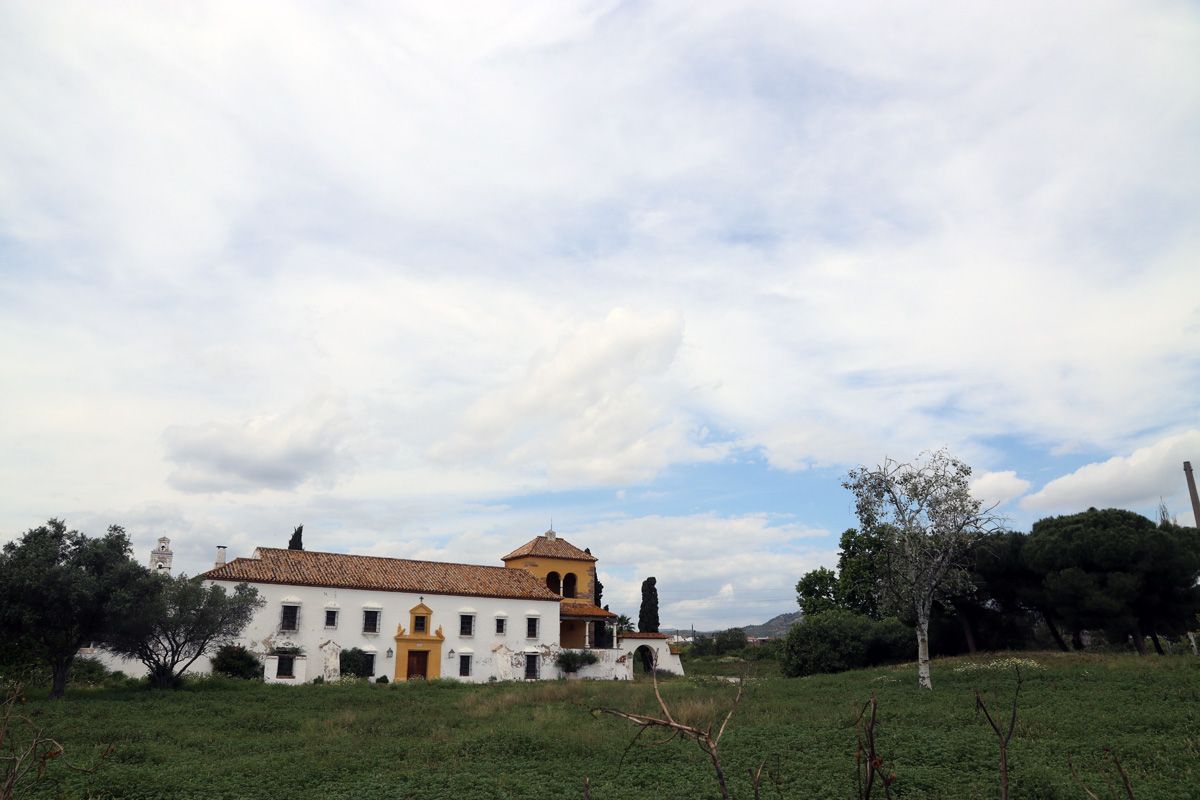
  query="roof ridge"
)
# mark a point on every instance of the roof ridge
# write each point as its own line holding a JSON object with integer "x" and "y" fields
{"x": 381, "y": 558}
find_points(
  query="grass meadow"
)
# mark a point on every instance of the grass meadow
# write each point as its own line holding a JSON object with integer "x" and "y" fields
{"x": 225, "y": 739}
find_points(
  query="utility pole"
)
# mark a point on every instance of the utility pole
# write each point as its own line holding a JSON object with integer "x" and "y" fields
{"x": 1191, "y": 482}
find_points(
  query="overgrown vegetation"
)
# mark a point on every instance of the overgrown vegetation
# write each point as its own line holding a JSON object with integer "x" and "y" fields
{"x": 221, "y": 738}
{"x": 836, "y": 640}
{"x": 1108, "y": 578}
{"x": 571, "y": 661}
{"x": 235, "y": 661}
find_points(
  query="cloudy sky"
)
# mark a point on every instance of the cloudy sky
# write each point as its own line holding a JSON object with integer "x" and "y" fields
{"x": 425, "y": 279}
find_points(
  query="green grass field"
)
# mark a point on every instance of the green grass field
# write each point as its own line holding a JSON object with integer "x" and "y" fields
{"x": 445, "y": 740}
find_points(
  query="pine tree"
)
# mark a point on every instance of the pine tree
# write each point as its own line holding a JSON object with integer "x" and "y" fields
{"x": 648, "y": 614}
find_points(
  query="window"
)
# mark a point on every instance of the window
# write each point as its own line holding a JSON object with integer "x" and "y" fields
{"x": 369, "y": 663}
{"x": 419, "y": 624}
{"x": 466, "y": 624}
{"x": 501, "y": 626}
{"x": 290, "y": 619}
{"x": 464, "y": 666}
{"x": 370, "y": 620}
{"x": 554, "y": 583}
{"x": 331, "y": 617}
{"x": 531, "y": 667}
{"x": 568, "y": 584}
{"x": 531, "y": 628}
{"x": 285, "y": 667}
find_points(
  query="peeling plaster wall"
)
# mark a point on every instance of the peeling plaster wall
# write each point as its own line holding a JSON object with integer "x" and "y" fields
{"x": 318, "y": 643}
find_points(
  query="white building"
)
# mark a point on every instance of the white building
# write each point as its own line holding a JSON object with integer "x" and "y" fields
{"x": 428, "y": 619}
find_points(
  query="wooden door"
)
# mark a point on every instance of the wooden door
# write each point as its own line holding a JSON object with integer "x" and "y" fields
{"x": 418, "y": 664}
{"x": 531, "y": 667}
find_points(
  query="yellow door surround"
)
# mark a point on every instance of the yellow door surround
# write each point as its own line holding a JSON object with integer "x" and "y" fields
{"x": 422, "y": 641}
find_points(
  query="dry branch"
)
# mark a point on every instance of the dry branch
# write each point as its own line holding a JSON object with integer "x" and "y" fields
{"x": 1005, "y": 736}
{"x": 704, "y": 738}
{"x": 868, "y": 762}
{"x": 23, "y": 764}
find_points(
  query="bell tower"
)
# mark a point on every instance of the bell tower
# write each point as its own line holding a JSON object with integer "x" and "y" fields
{"x": 160, "y": 557}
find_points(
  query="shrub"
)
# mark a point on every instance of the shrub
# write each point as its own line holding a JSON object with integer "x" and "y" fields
{"x": 355, "y": 663}
{"x": 237, "y": 662}
{"x": 381, "y": 679}
{"x": 319, "y": 679}
{"x": 837, "y": 640}
{"x": 88, "y": 672}
{"x": 571, "y": 661}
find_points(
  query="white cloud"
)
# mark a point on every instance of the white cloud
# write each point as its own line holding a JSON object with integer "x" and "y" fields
{"x": 265, "y": 452}
{"x": 1137, "y": 479}
{"x": 553, "y": 246}
{"x": 998, "y": 488}
{"x": 599, "y": 408}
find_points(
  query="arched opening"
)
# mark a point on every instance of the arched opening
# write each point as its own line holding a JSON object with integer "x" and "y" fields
{"x": 643, "y": 660}
{"x": 553, "y": 583}
{"x": 568, "y": 589}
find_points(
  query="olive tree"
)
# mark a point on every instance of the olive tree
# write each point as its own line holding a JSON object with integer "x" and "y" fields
{"x": 61, "y": 589}
{"x": 181, "y": 622}
{"x": 927, "y": 520}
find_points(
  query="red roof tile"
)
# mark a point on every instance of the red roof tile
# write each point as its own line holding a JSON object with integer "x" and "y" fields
{"x": 339, "y": 570}
{"x": 570, "y": 608}
{"x": 547, "y": 547}
{"x": 642, "y": 635}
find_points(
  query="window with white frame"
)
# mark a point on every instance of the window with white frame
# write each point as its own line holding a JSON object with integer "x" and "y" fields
{"x": 289, "y": 620}
{"x": 464, "y": 666}
{"x": 370, "y": 620}
{"x": 466, "y": 624}
{"x": 331, "y": 615}
{"x": 531, "y": 627}
{"x": 501, "y": 626}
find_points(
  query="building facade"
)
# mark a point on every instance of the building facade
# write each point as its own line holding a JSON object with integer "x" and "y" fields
{"x": 426, "y": 619}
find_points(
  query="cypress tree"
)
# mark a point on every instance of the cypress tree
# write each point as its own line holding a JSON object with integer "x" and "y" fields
{"x": 296, "y": 542}
{"x": 648, "y": 614}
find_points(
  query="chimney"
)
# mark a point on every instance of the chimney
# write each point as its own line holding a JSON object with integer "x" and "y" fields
{"x": 220, "y": 556}
{"x": 1191, "y": 482}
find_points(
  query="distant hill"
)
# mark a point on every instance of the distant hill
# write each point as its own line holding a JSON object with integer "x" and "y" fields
{"x": 776, "y": 626}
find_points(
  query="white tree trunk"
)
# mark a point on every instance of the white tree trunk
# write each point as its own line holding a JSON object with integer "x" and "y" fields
{"x": 1192, "y": 639}
{"x": 923, "y": 679}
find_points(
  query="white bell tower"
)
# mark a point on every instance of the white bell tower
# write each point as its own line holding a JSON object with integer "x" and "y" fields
{"x": 160, "y": 557}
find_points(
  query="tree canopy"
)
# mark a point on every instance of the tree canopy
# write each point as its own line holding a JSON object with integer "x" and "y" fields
{"x": 1116, "y": 571}
{"x": 61, "y": 590}
{"x": 297, "y": 540}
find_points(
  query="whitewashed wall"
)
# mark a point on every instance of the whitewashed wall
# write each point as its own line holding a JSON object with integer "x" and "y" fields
{"x": 666, "y": 660}
{"x": 492, "y": 655}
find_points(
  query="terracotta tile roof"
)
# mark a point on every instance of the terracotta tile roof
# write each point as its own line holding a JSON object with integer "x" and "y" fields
{"x": 338, "y": 570}
{"x": 642, "y": 635}
{"x": 548, "y": 545}
{"x": 572, "y": 608}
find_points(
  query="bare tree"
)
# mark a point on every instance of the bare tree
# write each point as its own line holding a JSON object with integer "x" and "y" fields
{"x": 1004, "y": 735}
{"x": 703, "y": 737}
{"x": 927, "y": 519}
